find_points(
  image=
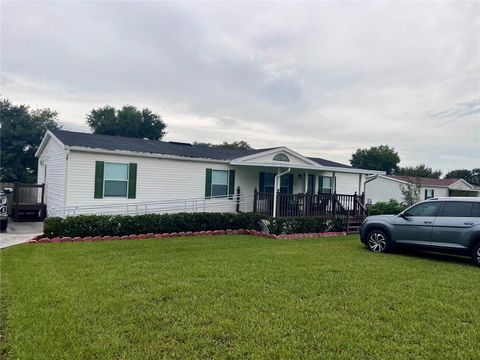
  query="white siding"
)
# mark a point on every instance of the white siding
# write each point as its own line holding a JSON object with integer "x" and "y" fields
{"x": 173, "y": 181}
{"x": 348, "y": 183}
{"x": 53, "y": 159}
{"x": 381, "y": 189}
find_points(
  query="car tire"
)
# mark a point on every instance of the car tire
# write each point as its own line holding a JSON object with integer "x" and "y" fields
{"x": 378, "y": 241}
{"x": 476, "y": 254}
{"x": 3, "y": 225}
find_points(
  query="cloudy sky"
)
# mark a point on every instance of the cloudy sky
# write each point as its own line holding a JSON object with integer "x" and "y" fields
{"x": 323, "y": 78}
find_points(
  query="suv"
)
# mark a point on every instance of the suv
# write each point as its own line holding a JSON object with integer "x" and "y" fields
{"x": 440, "y": 224}
{"x": 3, "y": 211}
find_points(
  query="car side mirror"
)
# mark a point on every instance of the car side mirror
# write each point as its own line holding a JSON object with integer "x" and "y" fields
{"x": 403, "y": 215}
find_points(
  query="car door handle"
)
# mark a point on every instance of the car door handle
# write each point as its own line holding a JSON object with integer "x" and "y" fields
{"x": 468, "y": 223}
{"x": 427, "y": 222}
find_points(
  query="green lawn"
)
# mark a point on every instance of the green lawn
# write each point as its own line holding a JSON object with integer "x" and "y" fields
{"x": 235, "y": 297}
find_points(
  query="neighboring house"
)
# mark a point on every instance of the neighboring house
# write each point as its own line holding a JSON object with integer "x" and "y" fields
{"x": 90, "y": 173}
{"x": 386, "y": 187}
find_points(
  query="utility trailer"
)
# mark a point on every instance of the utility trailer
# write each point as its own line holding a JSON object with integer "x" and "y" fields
{"x": 29, "y": 202}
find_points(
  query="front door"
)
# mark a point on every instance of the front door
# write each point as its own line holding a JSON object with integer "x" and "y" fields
{"x": 415, "y": 227}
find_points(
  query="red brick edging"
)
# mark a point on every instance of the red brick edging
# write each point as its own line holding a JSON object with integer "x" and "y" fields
{"x": 40, "y": 240}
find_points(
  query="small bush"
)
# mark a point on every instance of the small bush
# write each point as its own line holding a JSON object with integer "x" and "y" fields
{"x": 391, "y": 207}
{"x": 117, "y": 225}
{"x": 300, "y": 225}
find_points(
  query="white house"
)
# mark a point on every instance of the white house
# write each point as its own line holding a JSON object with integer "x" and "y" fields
{"x": 90, "y": 173}
{"x": 386, "y": 187}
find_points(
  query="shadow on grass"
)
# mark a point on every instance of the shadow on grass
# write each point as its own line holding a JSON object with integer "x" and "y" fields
{"x": 435, "y": 256}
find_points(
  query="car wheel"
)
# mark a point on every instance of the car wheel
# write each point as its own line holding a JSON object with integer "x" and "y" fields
{"x": 476, "y": 254}
{"x": 378, "y": 241}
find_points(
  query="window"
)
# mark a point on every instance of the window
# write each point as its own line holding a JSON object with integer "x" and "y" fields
{"x": 281, "y": 157}
{"x": 219, "y": 182}
{"x": 269, "y": 183}
{"x": 115, "y": 179}
{"x": 475, "y": 210}
{"x": 429, "y": 193}
{"x": 325, "y": 184}
{"x": 425, "y": 209}
{"x": 456, "y": 209}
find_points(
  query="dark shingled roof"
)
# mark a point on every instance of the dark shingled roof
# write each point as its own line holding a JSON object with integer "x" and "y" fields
{"x": 425, "y": 181}
{"x": 109, "y": 142}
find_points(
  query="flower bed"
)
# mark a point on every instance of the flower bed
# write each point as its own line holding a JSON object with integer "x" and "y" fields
{"x": 42, "y": 239}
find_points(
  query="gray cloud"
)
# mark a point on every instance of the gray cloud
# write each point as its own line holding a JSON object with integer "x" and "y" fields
{"x": 323, "y": 78}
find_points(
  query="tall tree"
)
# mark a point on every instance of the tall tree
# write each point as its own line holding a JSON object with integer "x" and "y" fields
{"x": 22, "y": 130}
{"x": 420, "y": 170}
{"x": 383, "y": 158}
{"x": 471, "y": 176}
{"x": 128, "y": 121}
{"x": 240, "y": 145}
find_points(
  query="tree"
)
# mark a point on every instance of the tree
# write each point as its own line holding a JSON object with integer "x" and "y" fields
{"x": 22, "y": 130}
{"x": 411, "y": 192}
{"x": 383, "y": 158}
{"x": 420, "y": 170}
{"x": 128, "y": 121}
{"x": 471, "y": 176}
{"x": 240, "y": 145}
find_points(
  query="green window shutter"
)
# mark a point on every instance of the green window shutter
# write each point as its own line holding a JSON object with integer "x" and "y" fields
{"x": 261, "y": 182}
{"x": 132, "y": 180}
{"x": 208, "y": 183}
{"x": 231, "y": 184}
{"x": 98, "y": 192}
{"x": 320, "y": 184}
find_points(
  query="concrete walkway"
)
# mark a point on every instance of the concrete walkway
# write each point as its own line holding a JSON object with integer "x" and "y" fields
{"x": 20, "y": 232}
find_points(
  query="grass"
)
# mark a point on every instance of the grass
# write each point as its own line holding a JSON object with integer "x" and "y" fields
{"x": 235, "y": 297}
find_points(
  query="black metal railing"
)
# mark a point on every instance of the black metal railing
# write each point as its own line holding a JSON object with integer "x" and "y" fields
{"x": 314, "y": 205}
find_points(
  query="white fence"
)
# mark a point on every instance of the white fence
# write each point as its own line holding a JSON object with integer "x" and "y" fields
{"x": 243, "y": 203}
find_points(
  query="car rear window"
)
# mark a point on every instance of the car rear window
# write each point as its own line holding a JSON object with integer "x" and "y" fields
{"x": 476, "y": 210}
{"x": 456, "y": 209}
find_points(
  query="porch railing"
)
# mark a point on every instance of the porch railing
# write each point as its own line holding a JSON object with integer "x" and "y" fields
{"x": 314, "y": 205}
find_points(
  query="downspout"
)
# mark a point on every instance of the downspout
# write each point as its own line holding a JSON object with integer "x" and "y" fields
{"x": 277, "y": 179}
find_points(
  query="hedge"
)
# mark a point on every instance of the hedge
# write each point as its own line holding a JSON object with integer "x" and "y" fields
{"x": 301, "y": 225}
{"x": 391, "y": 207}
{"x": 118, "y": 225}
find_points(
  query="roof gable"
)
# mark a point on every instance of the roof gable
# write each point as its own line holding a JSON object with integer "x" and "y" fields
{"x": 281, "y": 156}
{"x": 427, "y": 181}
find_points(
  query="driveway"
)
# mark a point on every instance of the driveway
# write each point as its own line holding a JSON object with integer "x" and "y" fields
{"x": 20, "y": 232}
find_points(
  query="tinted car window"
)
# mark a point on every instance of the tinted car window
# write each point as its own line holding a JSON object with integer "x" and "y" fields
{"x": 425, "y": 209}
{"x": 476, "y": 210}
{"x": 456, "y": 209}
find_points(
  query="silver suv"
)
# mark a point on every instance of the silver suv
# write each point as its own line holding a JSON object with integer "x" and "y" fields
{"x": 440, "y": 224}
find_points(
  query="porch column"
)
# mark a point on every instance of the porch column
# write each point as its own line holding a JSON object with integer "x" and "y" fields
{"x": 359, "y": 183}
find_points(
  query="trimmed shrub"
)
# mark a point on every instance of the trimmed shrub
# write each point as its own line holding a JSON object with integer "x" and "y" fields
{"x": 118, "y": 225}
{"x": 301, "y": 225}
{"x": 391, "y": 207}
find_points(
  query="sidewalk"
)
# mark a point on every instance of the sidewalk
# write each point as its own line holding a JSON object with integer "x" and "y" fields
{"x": 19, "y": 232}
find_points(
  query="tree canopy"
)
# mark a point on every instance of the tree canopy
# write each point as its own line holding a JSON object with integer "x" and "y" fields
{"x": 127, "y": 121}
{"x": 22, "y": 130}
{"x": 383, "y": 158}
{"x": 420, "y": 170}
{"x": 471, "y": 176}
{"x": 240, "y": 145}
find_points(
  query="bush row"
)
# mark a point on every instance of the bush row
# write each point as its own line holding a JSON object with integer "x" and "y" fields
{"x": 391, "y": 207}
{"x": 118, "y": 225}
{"x": 300, "y": 225}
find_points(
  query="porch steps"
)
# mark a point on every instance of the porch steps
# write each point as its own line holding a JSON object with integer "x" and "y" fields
{"x": 353, "y": 227}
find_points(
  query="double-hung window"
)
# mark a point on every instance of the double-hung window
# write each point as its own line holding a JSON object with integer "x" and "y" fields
{"x": 325, "y": 184}
{"x": 219, "y": 182}
{"x": 115, "y": 180}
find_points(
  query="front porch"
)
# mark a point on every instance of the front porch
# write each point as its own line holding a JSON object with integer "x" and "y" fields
{"x": 350, "y": 209}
